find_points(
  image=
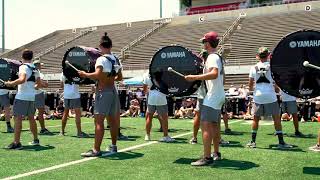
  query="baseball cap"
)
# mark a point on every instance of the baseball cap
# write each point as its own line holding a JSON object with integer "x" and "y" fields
{"x": 37, "y": 62}
{"x": 263, "y": 52}
{"x": 210, "y": 36}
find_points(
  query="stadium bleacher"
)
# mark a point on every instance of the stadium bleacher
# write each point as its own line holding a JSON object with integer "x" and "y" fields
{"x": 264, "y": 29}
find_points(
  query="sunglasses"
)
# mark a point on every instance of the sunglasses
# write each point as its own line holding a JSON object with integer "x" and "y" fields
{"x": 204, "y": 41}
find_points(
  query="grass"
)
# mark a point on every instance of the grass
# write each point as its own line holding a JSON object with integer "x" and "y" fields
{"x": 161, "y": 160}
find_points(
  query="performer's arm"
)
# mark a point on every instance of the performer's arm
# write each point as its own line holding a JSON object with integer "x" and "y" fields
{"x": 22, "y": 78}
{"x": 251, "y": 83}
{"x": 95, "y": 75}
{"x": 212, "y": 74}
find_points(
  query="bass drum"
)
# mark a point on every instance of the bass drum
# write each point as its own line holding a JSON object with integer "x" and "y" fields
{"x": 83, "y": 58}
{"x": 287, "y": 66}
{"x": 9, "y": 69}
{"x": 181, "y": 60}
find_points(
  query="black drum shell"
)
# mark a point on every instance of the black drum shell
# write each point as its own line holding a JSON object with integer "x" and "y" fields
{"x": 83, "y": 58}
{"x": 9, "y": 70}
{"x": 180, "y": 59}
{"x": 287, "y": 64}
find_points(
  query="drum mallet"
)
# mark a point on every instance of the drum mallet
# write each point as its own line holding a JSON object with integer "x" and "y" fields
{"x": 176, "y": 72}
{"x": 2, "y": 81}
{"x": 69, "y": 64}
{"x": 307, "y": 64}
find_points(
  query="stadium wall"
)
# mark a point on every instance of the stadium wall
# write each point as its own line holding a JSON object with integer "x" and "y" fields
{"x": 284, "y": 8}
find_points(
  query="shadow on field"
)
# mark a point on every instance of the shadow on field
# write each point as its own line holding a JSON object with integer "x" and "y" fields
{"x": 124, "y": 155}
{"x": 234, "y": 133}
{"x": 180, "y": 141}
{"x": 275, "y": 147}
{"x": 37, "y": 148}
{"x": 235, "y": 144}
{"x": 311, "y": 170}
{"x": 223, "y": 164}
{"x": 130, "y": 138}
{"x": 305, "y": 136}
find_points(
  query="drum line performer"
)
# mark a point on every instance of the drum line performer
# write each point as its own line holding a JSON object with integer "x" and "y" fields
{"x": 5, "y": 104}
{"x": 71, "y": 101}
{"x": 215, "y": 97}
{"x": 40, "y": 98}
{"x": 264, "y": 97}
{"x": 24, "y": 103}
{"x": 108, "y": 69}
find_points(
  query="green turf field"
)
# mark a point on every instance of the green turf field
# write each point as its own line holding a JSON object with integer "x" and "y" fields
{"x": 162, "y": 160}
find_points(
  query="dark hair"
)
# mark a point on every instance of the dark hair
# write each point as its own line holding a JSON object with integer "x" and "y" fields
{"x": 214, "y": 43}
{"x": 105, "y": 41}
{"x": 27, "y": 54}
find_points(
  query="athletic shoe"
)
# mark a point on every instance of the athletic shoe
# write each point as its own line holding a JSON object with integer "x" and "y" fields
{"x": 284, "y": 146}
{"x": 44, "y": 131}
{"x": 112, "y": 149}
{"x": 62, "y": 134}
{"x": 216, "y": 156}
{"x": 91, "y": 153}
{"x": 83, "y": 135}
{"x": 223, "y": 142}
{"x": 193, "y": 141}
{"x": 203, "y": 162}
{"x": 122, "y": 137}
{"x": 167, "y": 139}
{"x": 10, "y": 129}
{"x": 227, "y": 131}
{"x": 35, "y": 142}
{"x": 147, "y": 138}
{"x": 252, "y": 144}
{"x": 298, "y": 134}
{"x": 315, "y": 148}
{"x": 14, "y": 146}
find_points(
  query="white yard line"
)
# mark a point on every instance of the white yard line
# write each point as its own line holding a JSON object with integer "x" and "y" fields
{"x": 92, "y": 158}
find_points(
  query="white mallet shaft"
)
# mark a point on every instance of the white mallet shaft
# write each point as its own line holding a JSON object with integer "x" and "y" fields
{"x": 2, "y": 81}
{"x": 307, "y": 64}
{"x": 69, "y": 64}
{"x": 176, "y": 72}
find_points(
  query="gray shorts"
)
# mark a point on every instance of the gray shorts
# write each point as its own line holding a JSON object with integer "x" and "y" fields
{"x": 107, "y": 102}
{"x": 4, "y": 100}
{"x": 23, "y": 108}
{"x": 40, "y": 100}
{"x": 266, "y": 109}
{"x": 72, "y": 103}
{"x": 289, "y": 107}
{"x": 210, "y": 115}
{"x": 161, "y": 110}
{"x": 199, "y": 105}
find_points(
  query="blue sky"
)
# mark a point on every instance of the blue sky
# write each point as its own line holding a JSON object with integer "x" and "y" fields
{"x": 27, "y": 20}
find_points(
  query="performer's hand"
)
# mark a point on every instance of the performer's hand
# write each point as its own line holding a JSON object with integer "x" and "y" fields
{"x": 82, "y": 74}
{"x": 36, "y": 86}
{"x": 190, "y": 77}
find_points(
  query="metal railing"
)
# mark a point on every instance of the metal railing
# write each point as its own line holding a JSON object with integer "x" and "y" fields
{"x": 225, "y": 49}
{"x": 83, "y": 32}
{"x": 160, "y": 23}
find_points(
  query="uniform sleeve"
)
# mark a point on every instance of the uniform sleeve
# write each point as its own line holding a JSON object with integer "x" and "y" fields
{"x": 99, "y": 62}
{"x": 37, "y": 74}
{"x": 213, "y": 61}
{"x": 22, "y": 69}
{"x": 62, "y": 78}
{"x": 252, "y": 72}
{"x": 145, "y": 79}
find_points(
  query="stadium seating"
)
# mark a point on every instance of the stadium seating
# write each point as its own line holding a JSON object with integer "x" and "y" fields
{"x": 267, "y": 31}
{"x": 187, "y": 35}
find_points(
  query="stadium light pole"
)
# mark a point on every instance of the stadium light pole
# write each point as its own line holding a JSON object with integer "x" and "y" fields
{"x": 160, "y": 8}
{"x": 3, "y": 28}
